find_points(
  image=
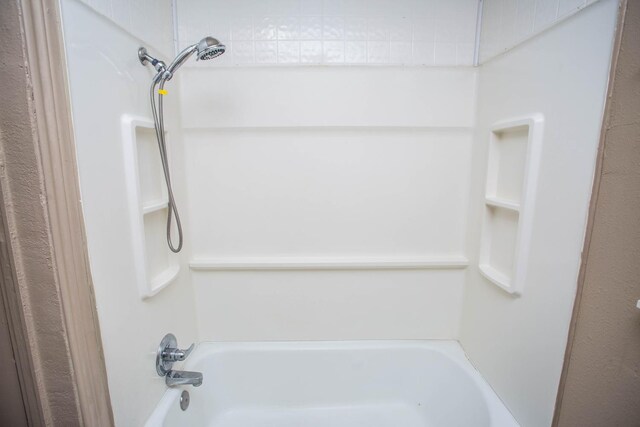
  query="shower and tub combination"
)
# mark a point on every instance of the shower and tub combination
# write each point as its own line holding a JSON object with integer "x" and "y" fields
{"x": 374, "y": 384}
{"x": 359, "y": 213}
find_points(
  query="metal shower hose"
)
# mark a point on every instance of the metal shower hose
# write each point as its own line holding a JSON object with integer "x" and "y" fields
{"x": 158, "y": 119}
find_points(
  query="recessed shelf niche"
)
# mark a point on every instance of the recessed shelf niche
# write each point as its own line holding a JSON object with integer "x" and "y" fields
{"x": 512, "y": 173}
{"x": 156, "y": 265}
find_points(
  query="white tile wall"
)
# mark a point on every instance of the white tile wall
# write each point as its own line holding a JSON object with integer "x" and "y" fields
{"x": 507, "y": 23}
{"x": 151, "y": 21}
{"x": 355, "y": 32}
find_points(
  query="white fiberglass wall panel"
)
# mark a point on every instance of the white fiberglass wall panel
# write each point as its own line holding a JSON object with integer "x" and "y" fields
{"x": 108, "y": 83}
{"x": 328, "y": 304}
{"x": 507, "y": 23}
{"x": 338, "y": 174}
{"x": 518, "y": 343}
{"x": 327, "y": 96}
{"x": 150, "y": 21}
{"x": 327, "y": 192}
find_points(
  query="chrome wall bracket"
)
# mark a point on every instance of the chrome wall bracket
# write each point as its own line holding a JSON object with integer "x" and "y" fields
{"x": 145, "y": 59}
{"x": 143, "y": 56}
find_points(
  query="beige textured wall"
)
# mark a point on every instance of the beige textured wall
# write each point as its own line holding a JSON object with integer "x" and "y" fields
{"x": 12, "y": 408}
{"x": 12, "y": 411}
{"x": 25, "y": 211}
{"x": 603, "y": 377}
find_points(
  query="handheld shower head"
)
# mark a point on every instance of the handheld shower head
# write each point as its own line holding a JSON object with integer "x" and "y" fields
{"x": 209, "y": 48}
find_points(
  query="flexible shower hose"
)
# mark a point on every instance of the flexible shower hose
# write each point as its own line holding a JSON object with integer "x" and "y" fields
{"x": 158, "y": 119}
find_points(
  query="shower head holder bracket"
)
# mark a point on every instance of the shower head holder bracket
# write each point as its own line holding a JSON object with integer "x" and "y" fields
{"x": 145, "y": 59}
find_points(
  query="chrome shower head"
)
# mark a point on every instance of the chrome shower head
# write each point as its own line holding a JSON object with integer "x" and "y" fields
{"x": 206, "y": 48}
{"x": 209, "y": 48}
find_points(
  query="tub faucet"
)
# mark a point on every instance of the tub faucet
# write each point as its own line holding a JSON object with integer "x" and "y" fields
{"x": 175, "y": 378}
{"x": 168, "y": 353}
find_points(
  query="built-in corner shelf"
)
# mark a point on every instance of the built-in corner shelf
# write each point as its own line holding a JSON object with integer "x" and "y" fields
{"x": 512, "y": 174}
{"x": 156, "y": 266}
{"x": 155, "y": 205}
{"x": 498, "y": 202}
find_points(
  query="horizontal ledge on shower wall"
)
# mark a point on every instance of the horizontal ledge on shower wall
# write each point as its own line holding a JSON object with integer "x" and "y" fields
{"x": 329, "y": 128}
{"x": 331, "y": 263}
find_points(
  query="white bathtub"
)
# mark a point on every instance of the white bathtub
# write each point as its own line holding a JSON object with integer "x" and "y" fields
{"x": 334, "y": 384}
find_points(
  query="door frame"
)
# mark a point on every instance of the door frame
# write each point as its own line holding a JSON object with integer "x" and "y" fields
{"x": 43, "y": 254}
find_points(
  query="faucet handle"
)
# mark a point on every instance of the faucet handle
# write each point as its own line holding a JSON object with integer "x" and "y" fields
{"x": 175, "y": 354}
{"x": 168, "y": 353}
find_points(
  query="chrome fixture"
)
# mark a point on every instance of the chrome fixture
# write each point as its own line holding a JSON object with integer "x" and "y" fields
{"x": 184, "y": 400}
{"x": 168, "y": 353}
{"x": 207, "y": 48}
{"x": 176, "y": 378}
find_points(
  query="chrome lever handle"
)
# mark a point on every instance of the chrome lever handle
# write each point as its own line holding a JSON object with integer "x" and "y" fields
{"x": 168, "y": 353}
{"x": 176, "y": 355}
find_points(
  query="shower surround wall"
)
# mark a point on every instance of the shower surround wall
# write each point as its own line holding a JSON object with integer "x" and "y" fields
{"x": 321, "y": 209}
{"x": 506, "y": 24}
{"x": 328, "y": 203}
{"x": 292, "y": 32}
{"x": 339, "y": 202}
{"x": 107, "y": 83}
{"x": 308, "y": 186}
{"x": 518, "y": 343}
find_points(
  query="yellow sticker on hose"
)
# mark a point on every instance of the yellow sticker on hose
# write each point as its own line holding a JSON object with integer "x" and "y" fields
{"x": 162, "y": 91}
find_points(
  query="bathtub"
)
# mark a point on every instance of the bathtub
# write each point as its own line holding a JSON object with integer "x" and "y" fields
{"x": 333, "y": 384}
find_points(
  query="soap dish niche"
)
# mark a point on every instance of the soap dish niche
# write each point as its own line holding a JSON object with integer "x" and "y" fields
{"x": 512, "y": 174}
{"x": 156, "y": 265}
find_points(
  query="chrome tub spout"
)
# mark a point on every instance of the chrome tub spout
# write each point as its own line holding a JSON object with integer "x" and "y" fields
{"x": 176, "y": 378}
